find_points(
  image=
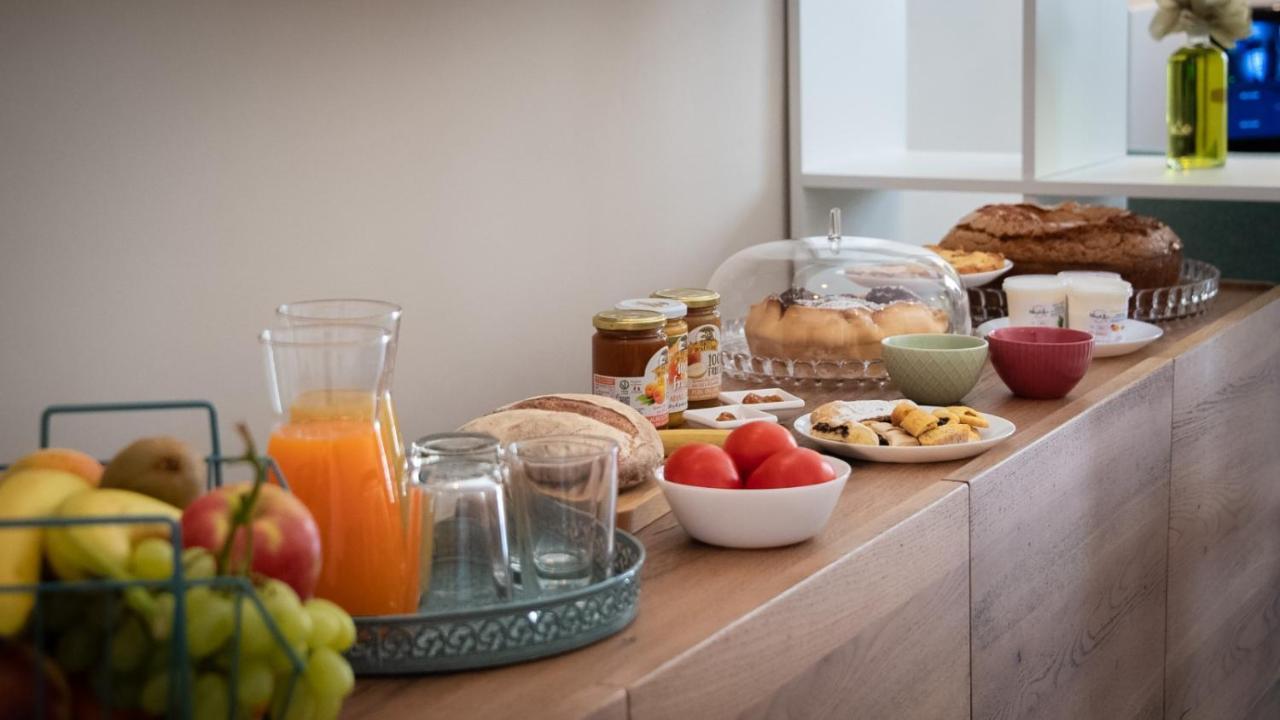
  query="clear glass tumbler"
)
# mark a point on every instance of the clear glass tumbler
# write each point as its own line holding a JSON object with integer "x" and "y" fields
{"x": 456, "y": 480}
{"x": 565, "y": 489}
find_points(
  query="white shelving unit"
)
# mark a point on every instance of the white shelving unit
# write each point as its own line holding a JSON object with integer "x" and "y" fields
{"x": 908, "y": 113}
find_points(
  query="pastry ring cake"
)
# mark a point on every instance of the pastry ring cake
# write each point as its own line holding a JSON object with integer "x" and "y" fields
{"x": 799, "y": 325}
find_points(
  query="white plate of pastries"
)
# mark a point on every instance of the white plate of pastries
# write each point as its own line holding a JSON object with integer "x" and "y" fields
{"x": 902, "y": 432}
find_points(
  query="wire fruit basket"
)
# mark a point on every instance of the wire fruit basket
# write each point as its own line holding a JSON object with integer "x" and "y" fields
{"x": 103, "y": 647}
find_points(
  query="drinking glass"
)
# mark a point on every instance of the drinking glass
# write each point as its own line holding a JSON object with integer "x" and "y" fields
{"x": 326, "y": 383}
{"x": 464, "y": 559}
{"x": 565, "y": 488}
{"x": 381, "y": 313}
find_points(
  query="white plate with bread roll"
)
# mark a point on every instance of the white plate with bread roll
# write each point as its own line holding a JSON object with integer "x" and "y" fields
{"x": 902, "y": 432}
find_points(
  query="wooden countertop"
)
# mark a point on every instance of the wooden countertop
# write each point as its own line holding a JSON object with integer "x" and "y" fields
{"x": 693, "y": 595}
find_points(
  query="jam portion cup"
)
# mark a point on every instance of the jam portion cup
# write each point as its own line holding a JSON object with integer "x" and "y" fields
{"x": 1041, "y": 363}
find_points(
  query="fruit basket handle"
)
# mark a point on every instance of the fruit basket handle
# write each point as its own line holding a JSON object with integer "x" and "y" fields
{"x": 215, "y": 443}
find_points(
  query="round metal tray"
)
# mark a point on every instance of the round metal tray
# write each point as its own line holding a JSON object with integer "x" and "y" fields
{"x": 1193, "y": 294}
{"x": 502, "y": 634}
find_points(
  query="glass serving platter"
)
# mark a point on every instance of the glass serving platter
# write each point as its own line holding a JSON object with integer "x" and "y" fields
{"x": 738, "y": 363}
{"x": 502, "y": 634}
{"x": 1193, "y": 294}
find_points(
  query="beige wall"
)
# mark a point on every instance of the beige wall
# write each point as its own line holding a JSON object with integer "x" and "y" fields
{"x": 171, "y": 171}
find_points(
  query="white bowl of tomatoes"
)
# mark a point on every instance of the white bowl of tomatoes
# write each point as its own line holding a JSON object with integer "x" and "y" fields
{"x": 759, "y": 491}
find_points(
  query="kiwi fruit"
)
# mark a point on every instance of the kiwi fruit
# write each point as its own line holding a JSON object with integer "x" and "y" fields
{"x": 164, "y": 468}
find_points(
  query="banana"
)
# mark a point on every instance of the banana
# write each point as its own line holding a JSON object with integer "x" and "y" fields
{"x": 673, "y": 440}
{"x": 79, "y": 551}
{"x": 25, "y": 494}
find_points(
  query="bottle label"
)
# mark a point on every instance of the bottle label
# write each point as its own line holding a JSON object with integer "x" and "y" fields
{"x": 678, "y": 374}
{"x": 1048, "y": 315}
{"x": 704, "y": 363}
{"x": 647, "y": 395}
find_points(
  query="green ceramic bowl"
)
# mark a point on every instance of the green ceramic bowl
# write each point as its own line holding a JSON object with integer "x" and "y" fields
{"x": 934, "y": 368}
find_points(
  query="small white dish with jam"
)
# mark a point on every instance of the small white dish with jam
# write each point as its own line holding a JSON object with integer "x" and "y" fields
{"x": 773, "y": 400}
{"x": 727, "y": 417}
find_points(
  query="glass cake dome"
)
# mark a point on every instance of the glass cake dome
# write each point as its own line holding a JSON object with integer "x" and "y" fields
{"x": 816, "y": 309}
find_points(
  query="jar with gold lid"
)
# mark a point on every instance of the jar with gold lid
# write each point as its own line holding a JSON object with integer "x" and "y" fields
{"x": 704, "y": 342}
{"x": 677, "y": 331}
{"x": 629, "y": 361}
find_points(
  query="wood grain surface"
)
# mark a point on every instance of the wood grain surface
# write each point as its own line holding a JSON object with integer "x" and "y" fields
{"x": 852, "y": 640}
{"x": 1068, "y": 559}
{"x": 640, "y": 506}
{"x": 1224, "y": 530}
{"x": 1068, "y": 621}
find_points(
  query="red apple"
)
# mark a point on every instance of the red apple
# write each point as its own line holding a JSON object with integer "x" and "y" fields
{"x": 286, "y": 542}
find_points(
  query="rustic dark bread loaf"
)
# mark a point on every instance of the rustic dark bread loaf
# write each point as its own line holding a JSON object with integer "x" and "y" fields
{"x": 1070, "y": 236}
{"x": 640, "y": 446}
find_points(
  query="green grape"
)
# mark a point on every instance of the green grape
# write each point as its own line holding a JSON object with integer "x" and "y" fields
{"x": 276, "y": 591}
{"x": 324, "y": 626}
{"x": 280, "y": 661}
{"x": 155, "y": 694}
{"x": 254, "y": 685}
{"x": 210, "y": 620}
{"x": 151, "y": 559}
{"x": 161, "y": 619}
{"x": 294, "y": 624}
{"x": 78, "y": 648}
{"x": 329, "y": 675}
{"x": 129, "y": 645}
{"x": 255, "y": 638}
{"x": 331, "y": 626}
{"x": 328, "y": 708}
{"x": 293, "y": 703}
{"x": 209, "y": 699}
{"x": 198, "y": 563}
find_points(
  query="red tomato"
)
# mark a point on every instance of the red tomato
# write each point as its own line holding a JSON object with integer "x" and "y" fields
{"x": 791, "y": 468}
{"x": 753, "y": 443}
{"x": 704, "y": 465}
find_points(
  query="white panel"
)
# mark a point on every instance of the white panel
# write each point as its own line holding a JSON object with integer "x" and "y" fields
{"x": 964, "y": 75}
{"x": 852, "y": 77}
{"x": 1148, "y": 59}
{"x": 1080, "y": 82}
{"x": 919, "y": 218}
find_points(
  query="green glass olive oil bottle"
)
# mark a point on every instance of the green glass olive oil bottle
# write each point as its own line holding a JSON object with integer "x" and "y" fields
{"x": 1197, "y": 111}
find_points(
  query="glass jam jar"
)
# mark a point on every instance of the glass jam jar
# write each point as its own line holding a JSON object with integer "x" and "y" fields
{"x": 629, "y": 361}
{"x": 677, "y": 331}
{"x": 704, "y": 342}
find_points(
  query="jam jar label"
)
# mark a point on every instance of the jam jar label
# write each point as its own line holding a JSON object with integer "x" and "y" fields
{"x": 678, "y": 374}
{"x": 704, "y": 363}
{"x": 647, "y": 394}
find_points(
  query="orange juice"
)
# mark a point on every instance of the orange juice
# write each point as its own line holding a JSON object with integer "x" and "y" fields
{"x": 354, "y": 405}
{"x": 336, "y": 466}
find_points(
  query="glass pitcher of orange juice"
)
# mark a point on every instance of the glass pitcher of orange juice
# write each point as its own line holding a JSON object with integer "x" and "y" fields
{"x": 385, "y": 315}
{"x": 328, "y": 384}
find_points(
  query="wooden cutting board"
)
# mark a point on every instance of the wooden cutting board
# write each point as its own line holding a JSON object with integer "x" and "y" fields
{"x": 641, "y": 505}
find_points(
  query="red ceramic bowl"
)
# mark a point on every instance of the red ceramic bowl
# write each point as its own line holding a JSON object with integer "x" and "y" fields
{"x": 1042, "y": 363}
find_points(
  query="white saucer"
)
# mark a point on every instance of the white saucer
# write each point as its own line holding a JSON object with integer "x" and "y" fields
{"x": 1136, "y": 335}
{"x": 973, "y": 280}
{"x": 998, "y": 430}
